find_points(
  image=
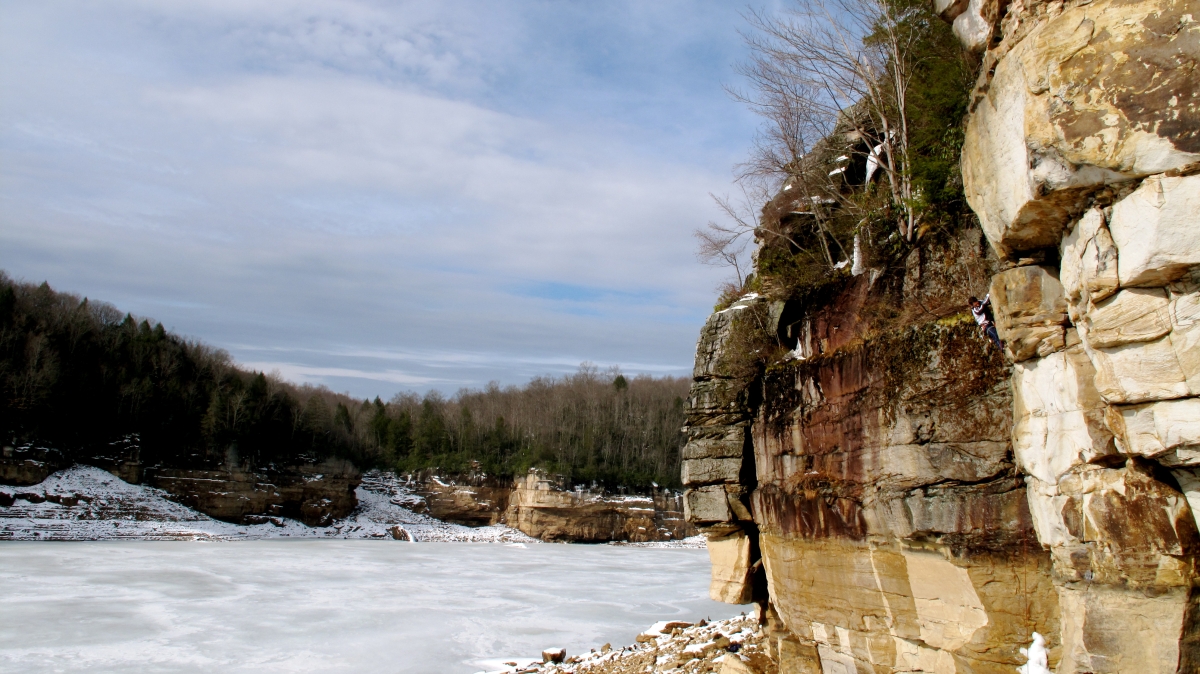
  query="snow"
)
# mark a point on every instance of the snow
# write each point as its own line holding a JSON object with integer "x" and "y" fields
{"x": 1038, "y": 659}
{"x": 837, "y": 171}
{"x": 109, "y": 508}
{"x": 873, "y": 162}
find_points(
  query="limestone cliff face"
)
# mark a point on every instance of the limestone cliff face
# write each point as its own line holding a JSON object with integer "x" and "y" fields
{"x": 908, "y": 500}
{"x": 541, "y": 505}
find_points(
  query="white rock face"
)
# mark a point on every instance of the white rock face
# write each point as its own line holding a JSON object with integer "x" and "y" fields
{"x": 1086, "y": 141}
{"x": 1058, "y": 416}
{"x": 1061, "y": 118}
{"x": 1133, "y": 315}
{"x": 1154, "y": 429}
{"x": 1135, "y": 373}
{"x": 1088, "y": 271}
{"x": 1157, "y": 231}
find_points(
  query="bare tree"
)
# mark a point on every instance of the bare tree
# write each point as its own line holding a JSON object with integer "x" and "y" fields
{"x": 826, "y": 66}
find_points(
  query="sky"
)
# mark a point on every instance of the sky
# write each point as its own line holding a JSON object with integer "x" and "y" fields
{"x": 379, "y": 197}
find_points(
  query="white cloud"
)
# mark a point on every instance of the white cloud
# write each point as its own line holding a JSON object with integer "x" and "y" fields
{"x": 352, "y": 177}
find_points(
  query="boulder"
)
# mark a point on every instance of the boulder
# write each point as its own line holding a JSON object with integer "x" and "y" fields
{"x": 554, "y": 655}
{"x": 1031, "y": 311}
{"x": 1078, "y": 102}
{"x": 1155, "y": 230}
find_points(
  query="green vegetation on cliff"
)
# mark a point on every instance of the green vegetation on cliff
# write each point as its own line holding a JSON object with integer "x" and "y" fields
{"x": 80, "y": 377}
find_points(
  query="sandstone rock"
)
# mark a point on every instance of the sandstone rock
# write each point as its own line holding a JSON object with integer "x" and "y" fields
{"x": 474, "y": 505}
{"x": 1077, "y": 103}
{"x": 1185, "y": 334}
{"x": 1153, "y": 430}
{"x": 707, "y": 471}
{"x": 1088, "y": 269}
{"x": 1139, "y": 372}
{"x": 974, "y": 24}
{"x": 1124, "y": 527}
{"x": 26, "y": 465}
{"x": 723, "y": 442}
{"x": 1155, "y": 231}
{"x": 707, "y": 505}
{"x": 730, "y": 557}
{"x": 1132, "y": 315}
{"x": 313, "y": 493}
{"x": 539, "y": 506}
{"x": 1058, "y": 415}
{"x": 885, "y": 608}
{"x": 554, "y": 655}
{"x": 1031, "y": 311}
{"x": 1107, "y": 629}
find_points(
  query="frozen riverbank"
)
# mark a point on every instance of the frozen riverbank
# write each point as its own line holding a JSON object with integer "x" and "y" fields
{"x": 331, "y": 606}
{"x": 87, "y": 504}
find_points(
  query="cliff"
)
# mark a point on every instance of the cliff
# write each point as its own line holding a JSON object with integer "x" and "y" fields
{"x": 542, "y": 506}
{"x": 241, "y": 492}
{"x": 897, "y": 495}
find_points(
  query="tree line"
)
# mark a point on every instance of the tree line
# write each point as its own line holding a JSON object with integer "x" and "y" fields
{"x": 79, "y": 375}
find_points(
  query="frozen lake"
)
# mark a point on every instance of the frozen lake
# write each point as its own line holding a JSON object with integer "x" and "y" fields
{"x": 331, "y": 606}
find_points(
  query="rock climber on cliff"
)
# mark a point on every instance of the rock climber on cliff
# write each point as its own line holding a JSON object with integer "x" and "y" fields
{"x": 982, "y": 311}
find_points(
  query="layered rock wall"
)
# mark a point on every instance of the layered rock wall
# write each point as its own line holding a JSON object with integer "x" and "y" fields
{"x": 315, "y": 493}
{"x": 542, "y": 506}
{"x": 907, "y": 499}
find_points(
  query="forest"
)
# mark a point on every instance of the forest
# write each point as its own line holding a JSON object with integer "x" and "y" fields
{"x": 78, "y": 375}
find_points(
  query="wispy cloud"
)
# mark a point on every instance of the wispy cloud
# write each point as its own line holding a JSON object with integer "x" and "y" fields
{"x": 513, "y": 183}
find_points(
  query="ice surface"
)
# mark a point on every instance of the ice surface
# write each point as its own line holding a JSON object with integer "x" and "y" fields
{"x": 330, "y": 605}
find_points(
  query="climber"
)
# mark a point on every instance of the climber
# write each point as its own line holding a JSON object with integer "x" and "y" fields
{"x": 982, "y": 311}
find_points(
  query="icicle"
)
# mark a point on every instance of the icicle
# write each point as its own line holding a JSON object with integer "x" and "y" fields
{"x": 857, "y": 268}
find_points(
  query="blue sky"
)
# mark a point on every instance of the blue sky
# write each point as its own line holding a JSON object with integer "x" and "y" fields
{"x": 377, "y": 196}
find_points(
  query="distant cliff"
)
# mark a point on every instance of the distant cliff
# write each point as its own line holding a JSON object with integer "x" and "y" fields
{"x": 544, "y": 507}
{"x": 899, "y": 496}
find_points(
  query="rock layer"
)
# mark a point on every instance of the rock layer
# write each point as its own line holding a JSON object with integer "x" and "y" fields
{"x": 315, "y": 493}
{"x": 542, "y": 506}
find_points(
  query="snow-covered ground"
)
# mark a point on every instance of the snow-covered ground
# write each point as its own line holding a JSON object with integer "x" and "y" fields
{"x": 83, "y": 503}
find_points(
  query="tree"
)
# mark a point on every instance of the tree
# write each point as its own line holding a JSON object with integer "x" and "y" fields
{"x": 873, "y": 85}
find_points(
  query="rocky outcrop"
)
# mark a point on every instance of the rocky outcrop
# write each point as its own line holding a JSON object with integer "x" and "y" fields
{"x": 918, "y": 503}
{"x": 545, "y": 507}
{"x": 29, "y": 464}
{"x": 1093, "y": 114}
{"x": 315, "y": 493}
{"x": 473, "y": 499}
{"x": 870, "y": 500}
{"x": 539, "y": 506}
